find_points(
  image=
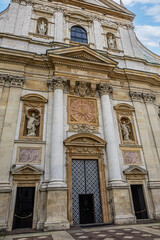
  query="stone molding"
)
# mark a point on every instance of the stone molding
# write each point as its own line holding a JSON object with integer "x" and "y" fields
{"x": 29, "y": 2}
{"x": 57, "y": 83}
{"x": 105, "y": 88}
{"x": 139, "y": 96}
{"x": 11, "y": 81}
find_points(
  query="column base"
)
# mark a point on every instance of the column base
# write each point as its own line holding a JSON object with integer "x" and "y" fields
{"x": 56, "y": 208}
{"x": 120, "y": 201}
{"x": 62, "y": 225}
{"x": 154, "y": 187}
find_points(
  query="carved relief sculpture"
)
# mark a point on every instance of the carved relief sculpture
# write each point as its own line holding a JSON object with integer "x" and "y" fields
{"x": 29, "y": 155}
{"x": 82, "y": 111}
{"x": 42, "y": 26}
{"x": 82, "y": 89}
{"x": 132, "y": 158}
{"x": 111, "y": 41}
{"x": 32, "y": 123}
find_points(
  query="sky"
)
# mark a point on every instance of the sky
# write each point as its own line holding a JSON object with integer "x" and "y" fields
{"x": 147, "y": 20}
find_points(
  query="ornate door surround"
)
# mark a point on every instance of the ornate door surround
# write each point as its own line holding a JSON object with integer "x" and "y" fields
{"x": 86, "y": 146}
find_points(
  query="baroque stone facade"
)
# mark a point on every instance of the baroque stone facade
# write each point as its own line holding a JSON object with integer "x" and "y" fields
{"x": 79, "y": 116}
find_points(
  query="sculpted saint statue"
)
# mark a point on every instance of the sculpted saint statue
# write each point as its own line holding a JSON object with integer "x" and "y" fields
{"x": 42, "y": 27}
{"x": 111, "y": 42}
{"x": 32, "y": 123}
{"x": 125, "y": 131}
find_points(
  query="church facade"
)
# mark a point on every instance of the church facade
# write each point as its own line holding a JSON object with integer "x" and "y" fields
{"x": 79, "y": 116}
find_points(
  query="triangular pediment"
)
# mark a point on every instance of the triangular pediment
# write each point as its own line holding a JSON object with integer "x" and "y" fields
{"x": 81, "y": 53}
{"x": 26, "y": 170}
{"x": 135, "y": 170}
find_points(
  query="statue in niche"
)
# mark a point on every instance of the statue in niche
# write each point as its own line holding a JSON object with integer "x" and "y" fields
{"x": 32, "y": 123}
{"x": 126, "y": 130}
{"x": 42, "y": 27}
{"x": 111, "y": 41}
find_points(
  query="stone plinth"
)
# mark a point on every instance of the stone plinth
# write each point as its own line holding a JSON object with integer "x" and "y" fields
{"x": 56, "y": 210}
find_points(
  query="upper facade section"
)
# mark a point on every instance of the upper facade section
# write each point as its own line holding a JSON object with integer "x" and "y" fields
{"x": 38, "y": 25}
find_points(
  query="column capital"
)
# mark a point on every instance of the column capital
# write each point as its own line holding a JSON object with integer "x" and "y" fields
{"x": 139, "y": 96}
{"x": 149, "y": 97}
{"x": 136, "y": 96}
{"x": 11, "y": 81}
{"x": 105, "y": 89}
{"x": 57, "y": 83}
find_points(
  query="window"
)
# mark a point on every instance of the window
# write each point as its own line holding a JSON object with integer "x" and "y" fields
{"x": 78, "y": 34}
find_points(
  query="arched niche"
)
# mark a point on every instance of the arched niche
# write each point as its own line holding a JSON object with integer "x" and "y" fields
{"x": 126, "y": 123}
{"x": 33, "y": 105}
{"x": 86, "y": 146}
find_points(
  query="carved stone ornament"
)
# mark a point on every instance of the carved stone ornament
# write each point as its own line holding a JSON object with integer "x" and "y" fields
{"x": 139, "y": 96}
{"x": 82, "y": 89}
{"x": 83, "y": 128}
{"x": 105, "y": 88}
{"x": 11, "y": 81}
{"x": 57, "y": 83}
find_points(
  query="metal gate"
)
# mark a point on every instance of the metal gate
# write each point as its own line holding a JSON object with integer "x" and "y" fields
{"x": 85, "y": 180}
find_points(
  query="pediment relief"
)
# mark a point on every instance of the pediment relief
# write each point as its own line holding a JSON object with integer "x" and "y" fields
{"x": 84, "y": 139}
{"x": 81, "y": 53}
{"x": 135, "y": 170}
{"x": 26, "y": 170}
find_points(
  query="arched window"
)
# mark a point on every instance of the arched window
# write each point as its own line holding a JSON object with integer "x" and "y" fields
{"x": 78, "y": 34}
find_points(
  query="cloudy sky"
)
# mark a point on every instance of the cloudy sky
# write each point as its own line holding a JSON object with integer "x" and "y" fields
{"x": 147, "y": 21}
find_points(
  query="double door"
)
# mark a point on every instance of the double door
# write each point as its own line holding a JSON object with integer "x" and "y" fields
{"x": 86, "y": 201}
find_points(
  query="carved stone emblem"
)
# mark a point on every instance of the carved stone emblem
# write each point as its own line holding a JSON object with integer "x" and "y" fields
{"x": 82, "y": 89}
{"x": 82, "y": 111}
{"x": 132, "y": 158}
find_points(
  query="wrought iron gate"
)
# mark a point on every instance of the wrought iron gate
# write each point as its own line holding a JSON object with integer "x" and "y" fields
{"x": 85, "y": 180}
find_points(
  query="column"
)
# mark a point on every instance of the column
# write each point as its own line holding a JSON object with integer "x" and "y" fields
{"x": 109, "y": 134}
{"x": 118, "y": 190}
{"x": 57, "y": 163}
{"x": 13, "y": 86}
{"x": 56, "y": 214}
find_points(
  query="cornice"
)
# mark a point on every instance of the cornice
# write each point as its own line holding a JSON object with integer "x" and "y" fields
{"x": 123, "y": 15}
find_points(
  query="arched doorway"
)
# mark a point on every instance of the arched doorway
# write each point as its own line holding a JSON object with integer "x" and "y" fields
{"x": 87, "y": 196}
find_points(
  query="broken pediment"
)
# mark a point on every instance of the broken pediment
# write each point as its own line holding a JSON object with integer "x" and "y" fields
{"x": 81, "y": 54}
{"x": 135, "y": 170}
{"x": 26, "y": 170}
